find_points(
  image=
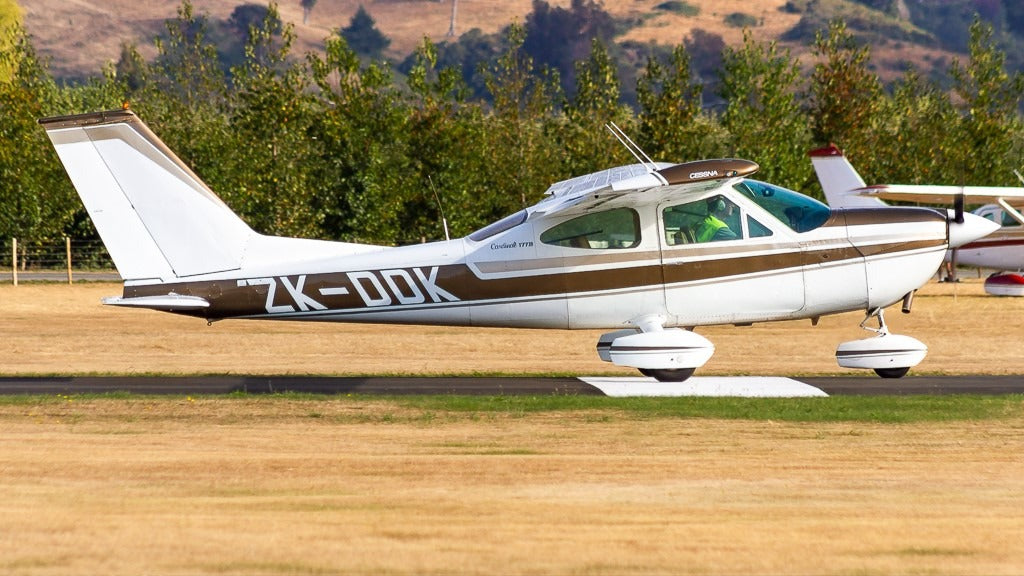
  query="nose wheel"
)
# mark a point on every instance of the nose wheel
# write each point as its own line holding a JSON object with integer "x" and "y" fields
{"x": 668, "y": 374}
{"x": 889, "y": 355}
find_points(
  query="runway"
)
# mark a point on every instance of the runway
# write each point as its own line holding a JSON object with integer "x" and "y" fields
{"x": 514, "y": 386}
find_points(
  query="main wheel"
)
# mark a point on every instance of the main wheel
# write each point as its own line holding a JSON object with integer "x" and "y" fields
{"x": 892, "y": 372}
{"x": 668, "y": 374}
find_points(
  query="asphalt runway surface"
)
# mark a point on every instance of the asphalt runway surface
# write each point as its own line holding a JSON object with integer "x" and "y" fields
{"x": 489, "y": 386}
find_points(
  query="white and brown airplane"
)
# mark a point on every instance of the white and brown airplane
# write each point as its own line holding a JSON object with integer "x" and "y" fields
{"x": 650, "y": 251}
{"x": 1003, "y": 250}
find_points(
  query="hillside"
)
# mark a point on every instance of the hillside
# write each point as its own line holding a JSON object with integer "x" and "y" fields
{"x": 79, "y": 36}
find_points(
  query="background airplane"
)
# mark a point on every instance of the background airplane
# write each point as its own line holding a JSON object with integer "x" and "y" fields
{"x": 640, "y": 249}
{"x": 1003, "y": 250}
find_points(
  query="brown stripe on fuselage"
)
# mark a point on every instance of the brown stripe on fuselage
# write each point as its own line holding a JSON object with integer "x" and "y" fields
{"x": 228, "y": 299}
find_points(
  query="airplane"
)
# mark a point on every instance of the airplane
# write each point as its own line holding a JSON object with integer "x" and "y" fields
{"x": 640, "y": 249}
{"x": 1002, "y": 250}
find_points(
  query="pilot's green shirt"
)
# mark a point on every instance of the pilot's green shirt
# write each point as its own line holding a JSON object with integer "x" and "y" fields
{"x": 711, "y": 228}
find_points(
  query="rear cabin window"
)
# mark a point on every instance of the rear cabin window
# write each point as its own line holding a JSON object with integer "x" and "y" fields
{"x": 495, "y": 228}
{"x": 1000, "y": 217}
{"x": 619, "y": 228}
{"x": 799, "y": 212}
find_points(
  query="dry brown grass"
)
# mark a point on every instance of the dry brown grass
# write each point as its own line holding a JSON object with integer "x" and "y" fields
{"x": 55, "y": 328}
{"x": 269, "y": 486}
{"x": 335, "y": 485}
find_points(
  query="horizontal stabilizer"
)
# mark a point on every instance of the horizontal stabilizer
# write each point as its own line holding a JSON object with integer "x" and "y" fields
{"x": 167, "y": 303}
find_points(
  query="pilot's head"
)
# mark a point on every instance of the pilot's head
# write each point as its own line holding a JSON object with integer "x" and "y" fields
{"x": 717, "y": 205}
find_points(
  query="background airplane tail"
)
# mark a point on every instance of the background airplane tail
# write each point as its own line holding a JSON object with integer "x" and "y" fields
{"x": 838, "y": 178}
{"x": 156, "y": 217}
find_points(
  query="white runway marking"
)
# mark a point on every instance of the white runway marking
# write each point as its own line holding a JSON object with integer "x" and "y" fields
{"x": 739, "y": 386}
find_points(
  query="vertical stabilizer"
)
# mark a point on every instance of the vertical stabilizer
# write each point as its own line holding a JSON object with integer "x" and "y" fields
{"x": 838, "y": 179}
{"x": 155, "y": 216}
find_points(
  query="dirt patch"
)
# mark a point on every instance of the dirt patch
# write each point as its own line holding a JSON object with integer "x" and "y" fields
{"x": 51, "y": 328}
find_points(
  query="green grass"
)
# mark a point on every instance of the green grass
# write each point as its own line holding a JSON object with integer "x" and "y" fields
{"x": 883, "y": 409}
{"x": 430, "y": 409}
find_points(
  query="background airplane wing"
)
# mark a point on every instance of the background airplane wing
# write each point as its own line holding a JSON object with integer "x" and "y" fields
{"x": 928, "y": 194}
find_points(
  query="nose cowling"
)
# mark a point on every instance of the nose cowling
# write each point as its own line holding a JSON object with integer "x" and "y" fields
{"x": 972, "y": 228}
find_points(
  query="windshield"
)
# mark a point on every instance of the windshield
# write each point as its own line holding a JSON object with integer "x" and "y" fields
{"x": 799, "y": 212}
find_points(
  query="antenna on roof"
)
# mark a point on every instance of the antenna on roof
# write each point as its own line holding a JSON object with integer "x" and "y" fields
{"x": 1019, "y": 177}
{"x": 444, "y": 221}
{"x": 630, "y": 145}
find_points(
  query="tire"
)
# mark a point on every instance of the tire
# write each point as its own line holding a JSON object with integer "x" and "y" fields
{"x": 892, "y": 372}
{"x": 668, "y": 374}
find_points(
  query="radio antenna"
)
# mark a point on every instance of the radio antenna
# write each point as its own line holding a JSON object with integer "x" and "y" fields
{"x": 440, "y": 208}
{"x": 630, "y": 145}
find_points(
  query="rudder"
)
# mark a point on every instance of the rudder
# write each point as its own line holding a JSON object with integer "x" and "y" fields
{"x": 158, "y": 220}
{"x": 838, "y": 178}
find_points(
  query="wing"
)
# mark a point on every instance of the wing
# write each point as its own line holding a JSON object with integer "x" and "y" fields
{"x": 928, "y": 194}
{"x": 642, "y": 183}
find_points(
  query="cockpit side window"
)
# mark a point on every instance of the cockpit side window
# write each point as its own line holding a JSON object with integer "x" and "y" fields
{"x": 799, "y": 212}
{"x": 711, "y": 219}
{"x": 618, "y": 228}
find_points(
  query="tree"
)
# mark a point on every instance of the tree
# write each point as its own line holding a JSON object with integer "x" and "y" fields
{"x": 845, "y": 97}
{"x": 588, "y": 145}
{"x": 989, "y": 99}
{"x": 763, "y": 115}
{"x": 362, "y": 133}
{"x": 917, "y": 141}
{"x": 446, "y": 135}
{"x": 38, "y": 201}
{"x": 247, "y": 16}
{"x": 558, "y": 38}
{"x": 10, "y": 21}
{"x": 670, "y": 103}
{"x": 524, "y": 105}
{"x": 270, "y": 120}
{"x": 363, "y": 36}
{"x": 307, "y": 9}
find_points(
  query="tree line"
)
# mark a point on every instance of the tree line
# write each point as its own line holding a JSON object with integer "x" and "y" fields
{"x": 330, "y": 145}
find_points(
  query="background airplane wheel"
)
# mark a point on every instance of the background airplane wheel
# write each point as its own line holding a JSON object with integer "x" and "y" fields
{"x": 892, "y": 372}
{"x": 668, "y": 374}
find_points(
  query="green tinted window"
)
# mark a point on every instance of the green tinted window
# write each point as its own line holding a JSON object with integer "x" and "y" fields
{"x": 619, "y": 228}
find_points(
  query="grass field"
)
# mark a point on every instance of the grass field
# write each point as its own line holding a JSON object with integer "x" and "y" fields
{"x": 55, "y": 328}
{"x": 297, "y": 484}
{"x": 329, "y": 485}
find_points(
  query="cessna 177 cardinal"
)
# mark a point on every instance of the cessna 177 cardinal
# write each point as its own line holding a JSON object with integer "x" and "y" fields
{"x": 649, "y": 250}
{"x": 1002, "y": 250}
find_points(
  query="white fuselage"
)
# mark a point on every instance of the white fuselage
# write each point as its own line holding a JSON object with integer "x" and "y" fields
{"x": 857, "y": 260}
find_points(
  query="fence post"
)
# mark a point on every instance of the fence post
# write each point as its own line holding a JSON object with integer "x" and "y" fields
{"x": 14, "y": 260}
{"x": 67, "y": 250}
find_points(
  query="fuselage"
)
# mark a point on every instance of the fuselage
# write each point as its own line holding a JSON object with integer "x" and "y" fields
{"x": 1000, "y": 250}
{"x": 599, "y": 267}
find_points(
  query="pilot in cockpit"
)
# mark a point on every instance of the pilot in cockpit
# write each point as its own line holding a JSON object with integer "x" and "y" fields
{"x": 713, "y": 227}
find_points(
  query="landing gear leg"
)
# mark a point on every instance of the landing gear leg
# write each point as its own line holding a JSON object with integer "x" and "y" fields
{"x": 882, "y": 329}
